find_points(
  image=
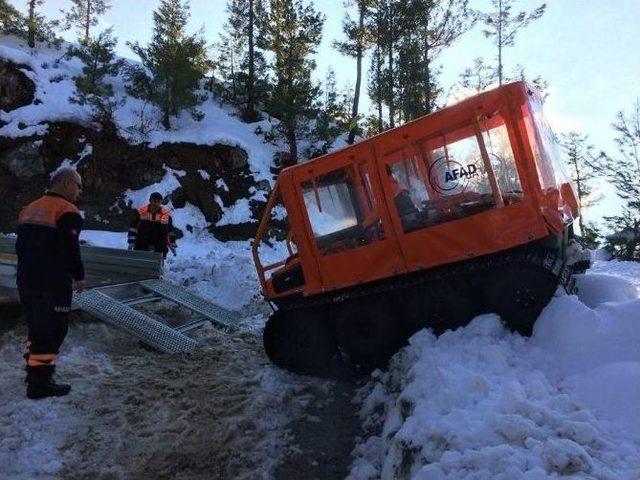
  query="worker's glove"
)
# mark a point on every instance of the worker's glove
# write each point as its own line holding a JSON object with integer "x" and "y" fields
{"x": 174, "y": 250}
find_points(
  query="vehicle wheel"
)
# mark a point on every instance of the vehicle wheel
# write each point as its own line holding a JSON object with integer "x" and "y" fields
{"x": 369, "y": 333}
{"x": 301, "y": 342}
{"x": 517, "y": 293}
{"x": 440, "y": 306}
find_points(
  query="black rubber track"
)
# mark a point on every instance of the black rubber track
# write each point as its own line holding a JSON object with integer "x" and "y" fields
{"x": 369, "y": 331}
{"x": 302, "y": 342}
{"x": 517, "y": 292}
{"x": 371, "y": 322}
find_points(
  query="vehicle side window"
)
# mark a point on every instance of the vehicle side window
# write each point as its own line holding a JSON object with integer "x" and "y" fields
{"x": 504, "y": 165}
{"x": 454, "y": 179}
{"x": 552, "y": 170}
{"x": 341, "y": 209}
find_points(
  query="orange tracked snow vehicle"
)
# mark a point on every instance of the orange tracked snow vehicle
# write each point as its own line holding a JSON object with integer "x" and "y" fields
{"x": 460, "y": 212}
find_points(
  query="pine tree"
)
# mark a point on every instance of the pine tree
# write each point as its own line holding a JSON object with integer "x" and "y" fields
{"x": 239, "y": 59}
{"x": 389, "y": 9}
{"x": 384, "y": 25}
{"x": 376, "y": 86}
{"x": 427, "y": 29}
{"x": 85, "y": 14}
{"x": 332, "y": 119}
{"x": 92, "y": 88}
{"x": 355, "y": 46}
{"x": 624, "y": 174}
{"x": 11, "y": 22}
{"x": 227, "y": 64}
{"x": 479, "y": 76}
{"x": 177, "y": 62}
{"x": 292, "y": 33}
{"x": 39, "y": 29}
{"x": 502, "y": 25}
{"x": 584, "y": 166}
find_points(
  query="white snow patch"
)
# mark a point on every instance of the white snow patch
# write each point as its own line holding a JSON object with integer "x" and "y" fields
{"x": 483, "y": 403}
{"x": 167, "y": 185}
{"x": 220, "y": 183}
{"x": 204, "y": 174}
{"x": 86, "y": 151}
{"x": 239, "y": 212}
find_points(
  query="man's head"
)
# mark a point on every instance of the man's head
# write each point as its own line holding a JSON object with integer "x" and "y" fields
{"x": 66, "y": 182}
{"x": 155, "y": 202}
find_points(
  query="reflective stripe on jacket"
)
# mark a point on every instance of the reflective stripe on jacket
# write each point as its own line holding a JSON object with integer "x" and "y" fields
{"x": 151, "y": 231}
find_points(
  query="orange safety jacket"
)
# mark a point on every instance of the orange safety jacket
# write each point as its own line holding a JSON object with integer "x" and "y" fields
{"x": 152, "y": 231}
{"x": 47, "y": 246}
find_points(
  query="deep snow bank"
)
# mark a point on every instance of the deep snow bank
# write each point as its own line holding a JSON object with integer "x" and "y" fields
{"x": 484, "y": 403}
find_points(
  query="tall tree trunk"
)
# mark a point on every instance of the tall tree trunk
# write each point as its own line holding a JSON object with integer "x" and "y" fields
{"x": 578, "y": 183}
{"x": 428, "y": 92}
{"x": 390, "y": 93}
{"x": 31, "y": 24}
{"x": 379, "y": 88}
{"x": 293, "y": 145}
{"x": 427, "y": 69}
{"x": 251, "y": 80}
{"x": 356, "y": 93}
{"x": 88, "y": 22}
{"x": 499, "y": 42}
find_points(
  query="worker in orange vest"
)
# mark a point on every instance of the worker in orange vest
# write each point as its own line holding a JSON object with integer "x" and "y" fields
{"x": 152, "y": 228}
{"x": 49, "y": 269}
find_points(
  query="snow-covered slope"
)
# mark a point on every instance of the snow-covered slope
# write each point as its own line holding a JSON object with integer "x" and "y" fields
{"x": 53, "y": 76}
{"x": 483, "y": 403}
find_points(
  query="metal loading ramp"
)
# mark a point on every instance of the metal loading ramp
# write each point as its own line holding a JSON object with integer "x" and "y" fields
{"x": 217, "y": 315}
{"x": 123, "y": 307}
{"x": 144, "y": 327}
{"x": 122, "y": 285}
{"x": 120, "y": 306}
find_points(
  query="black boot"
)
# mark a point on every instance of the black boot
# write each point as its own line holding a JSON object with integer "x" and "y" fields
{"x": 40, "y": 383}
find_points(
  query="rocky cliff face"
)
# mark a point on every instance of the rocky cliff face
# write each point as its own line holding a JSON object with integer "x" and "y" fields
{"x": 16, "y": 90}
{"x": 214, "y": 176}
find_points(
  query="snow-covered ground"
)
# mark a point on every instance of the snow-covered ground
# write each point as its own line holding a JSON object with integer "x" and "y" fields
{"x": 478, "y": 402}
{"x": 221, "y": 411}
{"x": 483, "y": 403}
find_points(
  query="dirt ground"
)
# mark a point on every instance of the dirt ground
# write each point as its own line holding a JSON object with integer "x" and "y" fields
{"x": 219, "y": 412}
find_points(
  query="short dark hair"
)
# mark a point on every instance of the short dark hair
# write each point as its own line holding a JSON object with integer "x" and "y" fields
{"x": 155, "y": 196}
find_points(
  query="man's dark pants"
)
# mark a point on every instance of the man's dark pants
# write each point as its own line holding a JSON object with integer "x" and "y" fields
{"x": 47, "y": 320}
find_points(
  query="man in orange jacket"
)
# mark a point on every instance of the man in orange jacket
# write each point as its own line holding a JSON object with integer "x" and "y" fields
{"x": 152, "y": 228}
{"x": 49, "y": 268}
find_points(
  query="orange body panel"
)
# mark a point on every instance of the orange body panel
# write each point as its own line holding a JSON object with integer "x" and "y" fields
{"x": 516, "y": 192}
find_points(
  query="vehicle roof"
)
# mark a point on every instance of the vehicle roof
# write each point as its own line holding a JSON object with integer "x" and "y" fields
{"x": 462, "y": 105}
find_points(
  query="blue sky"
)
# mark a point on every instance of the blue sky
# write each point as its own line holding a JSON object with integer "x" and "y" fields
{"x": 588, "y": 51}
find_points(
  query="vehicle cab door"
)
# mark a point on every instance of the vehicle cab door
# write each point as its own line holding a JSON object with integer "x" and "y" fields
{"x": 350, "y": 230}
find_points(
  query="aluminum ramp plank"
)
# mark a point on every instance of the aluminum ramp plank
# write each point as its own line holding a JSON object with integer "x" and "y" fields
{"x": 216, "y": 314}
{"x": 141, "y": 326}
